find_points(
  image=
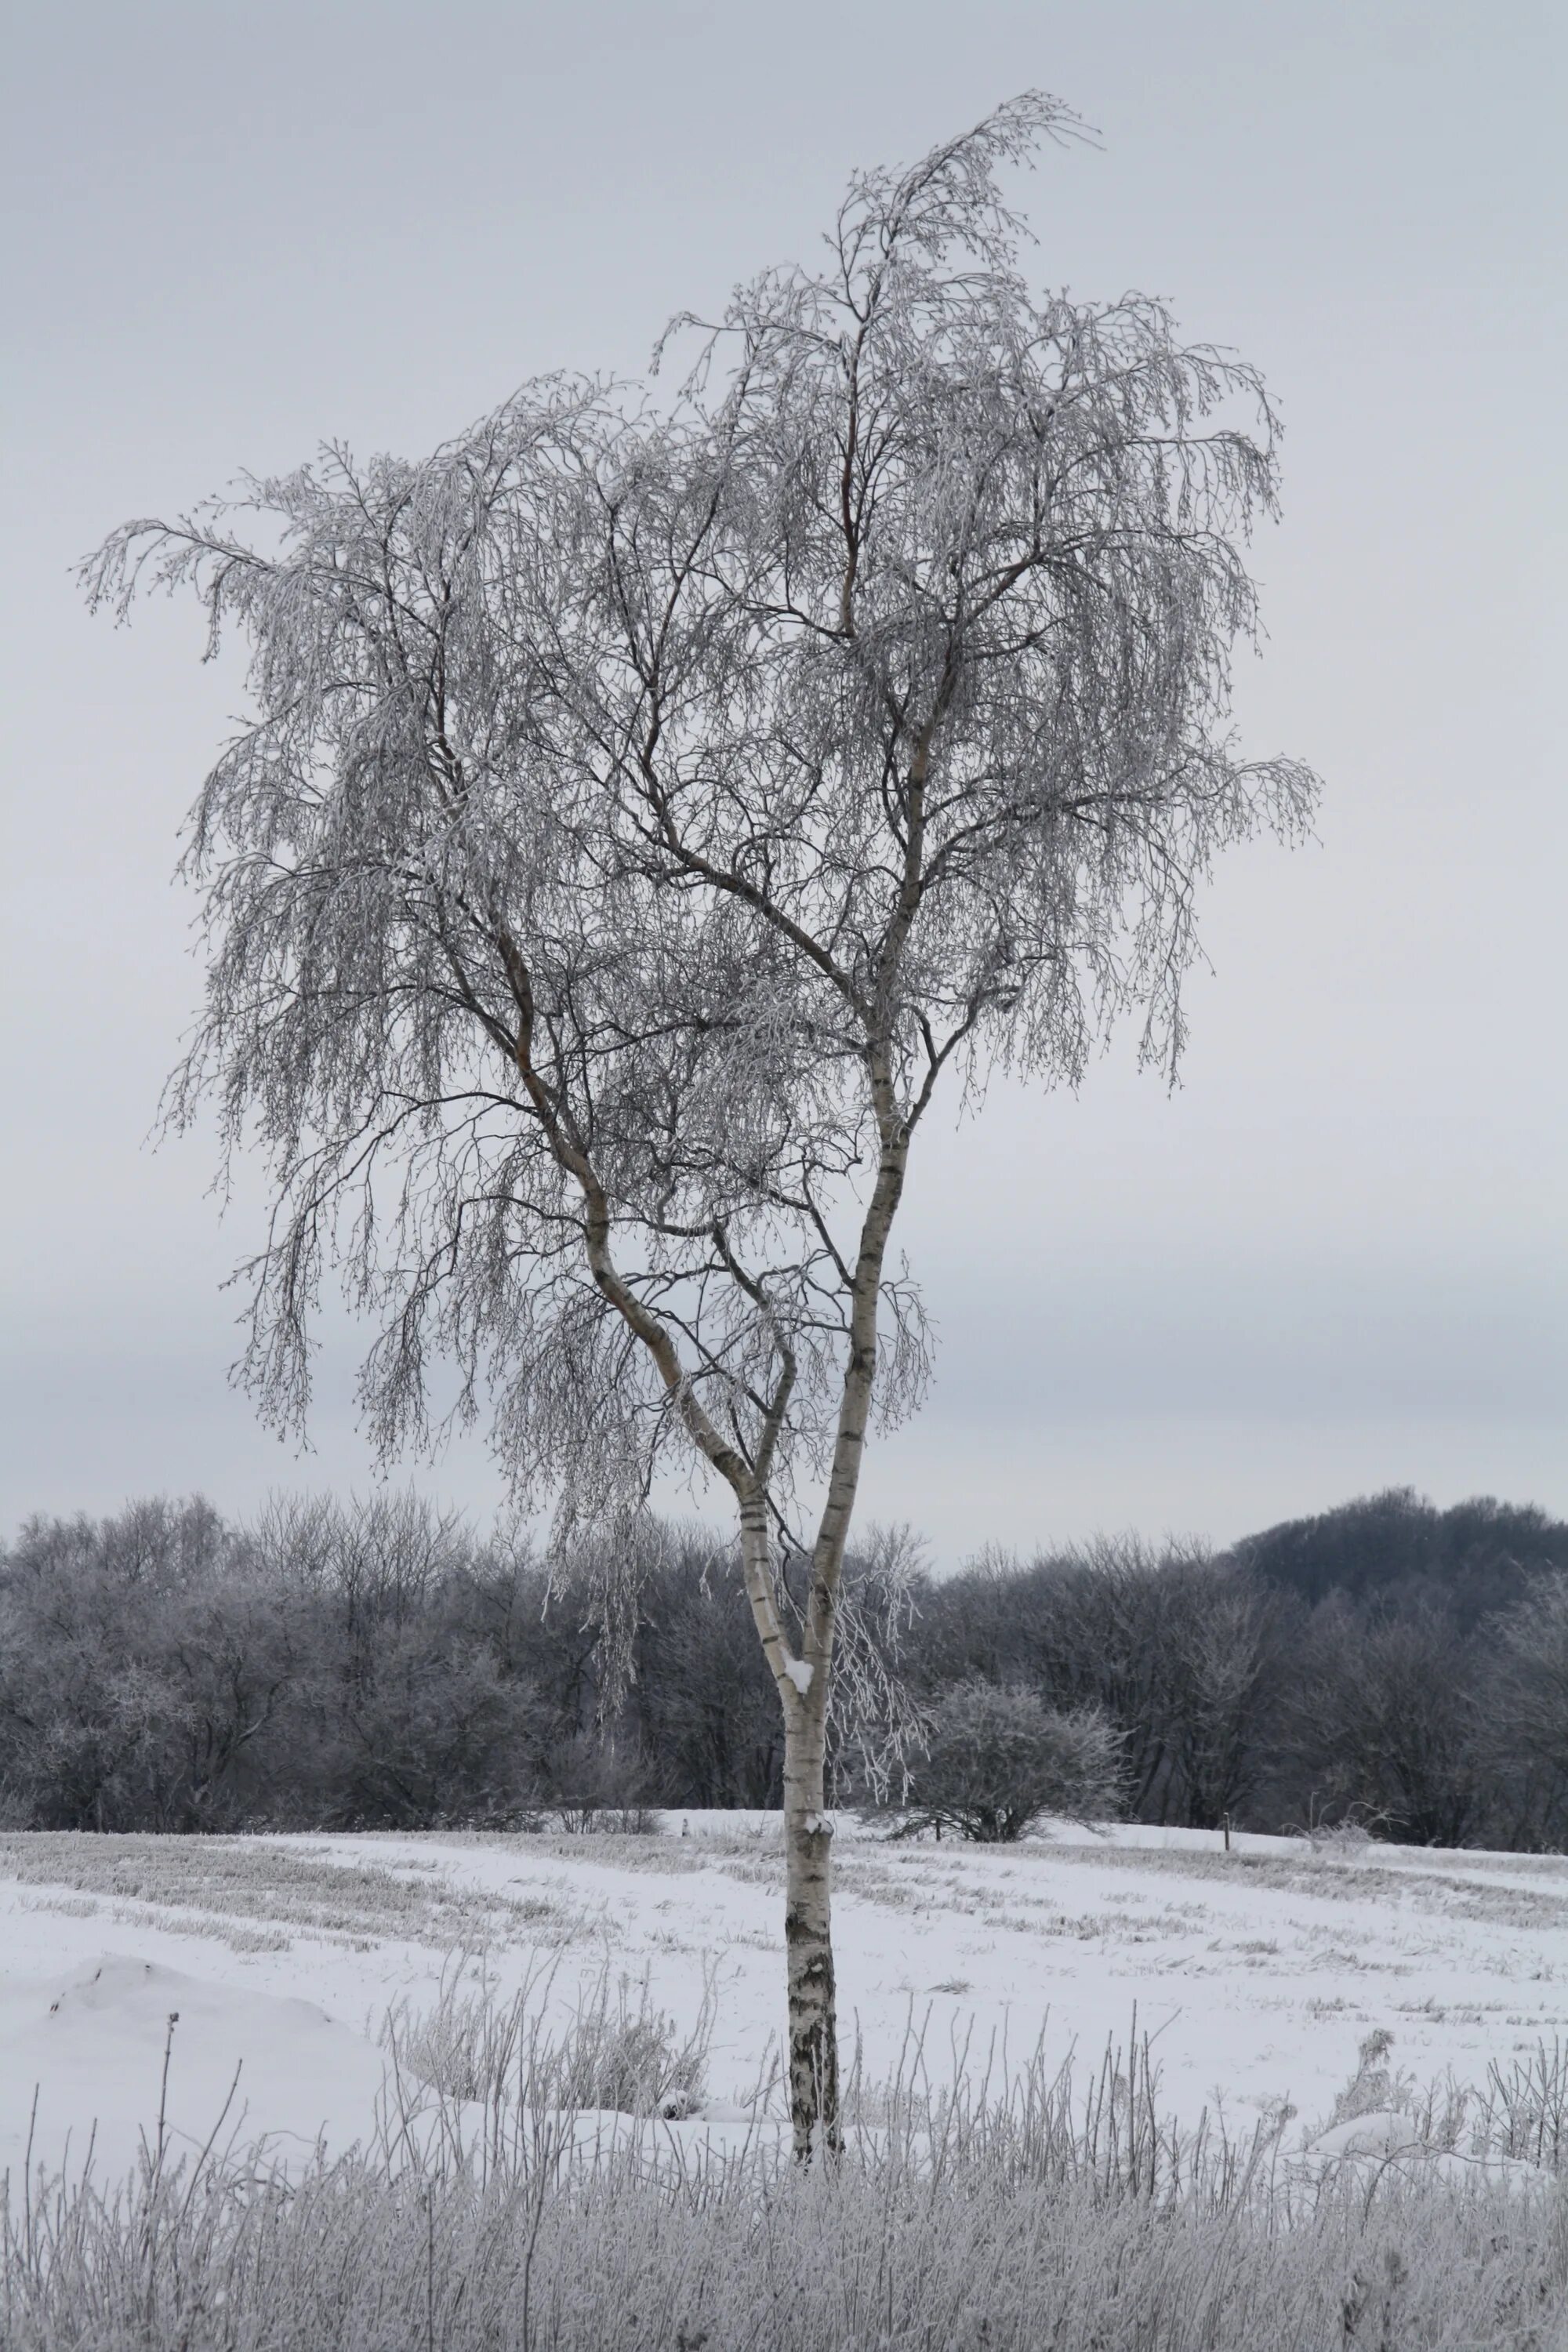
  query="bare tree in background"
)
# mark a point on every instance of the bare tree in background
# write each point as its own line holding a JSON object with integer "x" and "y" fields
{"x": 1524, "y": 1707}
{"x": 645, "y": 806}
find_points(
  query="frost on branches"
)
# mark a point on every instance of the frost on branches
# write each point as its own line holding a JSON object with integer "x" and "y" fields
{"x": 647, "y": 804}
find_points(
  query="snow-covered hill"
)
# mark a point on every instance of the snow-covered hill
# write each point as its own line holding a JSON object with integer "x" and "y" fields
{"x": 1259, "y": 1972}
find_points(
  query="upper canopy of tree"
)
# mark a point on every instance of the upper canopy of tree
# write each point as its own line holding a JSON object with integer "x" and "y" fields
{"x": 644, "y": 801}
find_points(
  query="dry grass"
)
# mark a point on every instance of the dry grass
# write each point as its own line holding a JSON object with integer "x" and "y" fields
{"x": 615, "y": 2051}
{"x": 213, "y": 1882}
{"x": 1033, "y": 2214}
{"x": 980, "y": 2237}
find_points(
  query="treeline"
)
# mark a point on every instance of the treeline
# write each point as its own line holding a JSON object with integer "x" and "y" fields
{"x": 383, "y": 1665}
{"x": 1386, "y": 1664}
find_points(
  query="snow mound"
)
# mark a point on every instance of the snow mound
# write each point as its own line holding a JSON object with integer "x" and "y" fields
{"x": 1383, "y": 2132}
{"x": 89, "y": 2046}
{"x": 1385, "y": 2139}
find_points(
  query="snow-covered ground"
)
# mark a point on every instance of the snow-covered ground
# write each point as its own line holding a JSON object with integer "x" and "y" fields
{"x": 1259, "y": 1972}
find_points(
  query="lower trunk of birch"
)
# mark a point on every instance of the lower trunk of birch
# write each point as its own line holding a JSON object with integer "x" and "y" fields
{"x": 813, "y": 2007}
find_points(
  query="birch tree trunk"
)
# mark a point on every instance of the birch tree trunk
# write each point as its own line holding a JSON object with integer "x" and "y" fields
{"x": 808, "y": 1933}
{"x": 806, "y": 1683}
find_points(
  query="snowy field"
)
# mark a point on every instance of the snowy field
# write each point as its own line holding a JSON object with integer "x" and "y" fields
{"x": 1258, "y": 1973}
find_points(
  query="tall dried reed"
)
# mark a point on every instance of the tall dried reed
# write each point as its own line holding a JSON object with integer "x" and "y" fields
{"x": 973, "y": 2208}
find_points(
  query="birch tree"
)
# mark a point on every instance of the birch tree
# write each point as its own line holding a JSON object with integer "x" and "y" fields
{"x": 650, "y": 801}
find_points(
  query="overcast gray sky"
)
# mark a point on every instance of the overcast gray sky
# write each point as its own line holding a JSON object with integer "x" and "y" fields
{"x": 1336, "y": 1259}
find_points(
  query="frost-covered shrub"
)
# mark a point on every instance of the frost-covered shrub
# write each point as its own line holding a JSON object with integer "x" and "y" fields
{"x": 615, "y": 2051}
{"x": 1375, "y": 2084}
{"x": 998, "y": 1758}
